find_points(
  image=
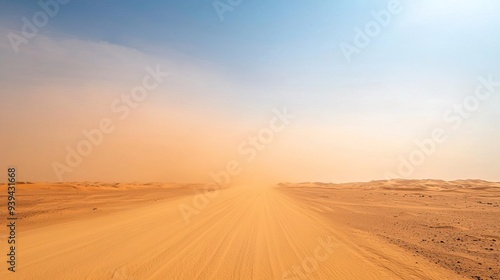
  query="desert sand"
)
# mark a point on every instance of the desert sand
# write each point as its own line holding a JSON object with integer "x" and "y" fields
{"x": 399, "y": 229}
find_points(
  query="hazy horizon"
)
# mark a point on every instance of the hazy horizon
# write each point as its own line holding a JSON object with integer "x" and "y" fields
{"x": 228, "y": 77}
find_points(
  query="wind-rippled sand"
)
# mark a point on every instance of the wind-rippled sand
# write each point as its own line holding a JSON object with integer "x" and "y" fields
{"x": 398, "y": 229}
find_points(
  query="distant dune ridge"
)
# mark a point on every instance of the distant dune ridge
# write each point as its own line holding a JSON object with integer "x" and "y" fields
{"x": 397, "y": 229}
{"x": 427, "y": 184}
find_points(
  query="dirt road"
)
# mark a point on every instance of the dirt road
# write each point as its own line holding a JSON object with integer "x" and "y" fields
{"x": 242, "y": 233}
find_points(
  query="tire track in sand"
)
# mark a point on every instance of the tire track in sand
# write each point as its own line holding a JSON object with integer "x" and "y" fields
{"x": 243, "y": 233}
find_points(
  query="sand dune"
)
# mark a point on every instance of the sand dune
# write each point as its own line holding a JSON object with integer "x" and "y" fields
{"x": 370, "y": 230}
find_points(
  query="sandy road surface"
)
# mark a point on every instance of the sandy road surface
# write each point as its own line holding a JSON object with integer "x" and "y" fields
{"x": 244, "y": 233}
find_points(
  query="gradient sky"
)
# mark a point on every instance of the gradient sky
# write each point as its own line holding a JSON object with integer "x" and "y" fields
{"x": 352, "y": 122}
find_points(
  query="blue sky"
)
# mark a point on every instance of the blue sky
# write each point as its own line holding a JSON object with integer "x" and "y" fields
{"x": 295, "y": 38}
{"x": 267, "y": 54}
